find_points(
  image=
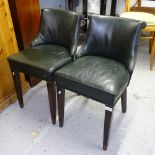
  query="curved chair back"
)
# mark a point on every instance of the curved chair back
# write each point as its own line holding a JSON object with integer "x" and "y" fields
{"x": 58, "y": 27}
{"x": 114, "y": 38}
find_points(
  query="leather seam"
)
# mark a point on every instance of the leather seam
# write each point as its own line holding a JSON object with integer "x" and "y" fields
{"x": 83, "y": 84}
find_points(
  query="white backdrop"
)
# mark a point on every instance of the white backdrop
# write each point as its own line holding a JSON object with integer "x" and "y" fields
{"x": 93, "y": 5}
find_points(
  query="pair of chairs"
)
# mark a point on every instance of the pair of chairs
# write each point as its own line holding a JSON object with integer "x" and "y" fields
{"x": 100, "y": 70}
{"x": 146, "y": 14}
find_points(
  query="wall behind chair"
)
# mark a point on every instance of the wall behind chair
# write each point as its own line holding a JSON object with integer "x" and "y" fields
{"x": 93, "y": 5}
{"x": 52, "y": 4}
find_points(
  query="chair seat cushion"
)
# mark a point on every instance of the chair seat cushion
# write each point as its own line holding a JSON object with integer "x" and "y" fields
{"x": 142, "y": 16}
{"x": 99, "y": 78}
{"x": 40, "y": 61}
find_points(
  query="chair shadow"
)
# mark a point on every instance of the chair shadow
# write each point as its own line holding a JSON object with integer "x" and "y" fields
{"x": 71, "y": 123}
{"x": 71, "y": 113}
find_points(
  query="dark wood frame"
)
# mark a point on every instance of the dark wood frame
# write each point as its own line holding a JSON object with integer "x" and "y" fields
{"x": 16, "y": 24}
{"x": 103, "y": 4}
{"x": 23, "y": 15}
{"x": 108, "y": 113}
{"x": 51, "y": 93}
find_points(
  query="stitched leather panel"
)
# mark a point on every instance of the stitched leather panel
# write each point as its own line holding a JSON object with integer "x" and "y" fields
{"x": 106, "y": 60}
{"x": 59, "y": 27}
{"x": 96, "y": 72}
{"x": 55, "y": 45}
{"x": 91, "y": 92}
{"x": 113, "y": 37}
{"x": 43, "y": 59}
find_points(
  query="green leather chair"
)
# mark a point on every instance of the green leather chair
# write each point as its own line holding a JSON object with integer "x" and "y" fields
{"x": 54, "y": 46}
{"x": 104, "y": 65}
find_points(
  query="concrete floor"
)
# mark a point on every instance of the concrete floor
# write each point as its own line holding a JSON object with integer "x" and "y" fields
{"x": 29, "y": 131}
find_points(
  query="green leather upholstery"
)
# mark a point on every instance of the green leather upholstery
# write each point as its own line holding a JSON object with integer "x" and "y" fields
{"x": 55, "y": 45}
{"x": 103, "y": 67}
{"x": 97, "y": 77}
{"x": 113, "y": 38}
{"x": 105, "y": 62}
{"x": 60, "y": 28}
{"x": 40, "y": 61}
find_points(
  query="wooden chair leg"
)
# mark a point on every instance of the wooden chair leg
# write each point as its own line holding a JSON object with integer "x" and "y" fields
{"x": 152, "y": 53}
{"x": 124, "y": 101}
{"x": 139, "y": 3}
{"x": 150, "y": 45}
{"x": 17, "y": 83}
{"x": 107, "y": 124}
{"x": 52, "y": 100}
{"x": 151, "y": 41}
{"x": 60, "y": 99}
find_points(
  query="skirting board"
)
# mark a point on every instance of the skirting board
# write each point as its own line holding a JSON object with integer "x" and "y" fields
{"x": 12, "y": 98}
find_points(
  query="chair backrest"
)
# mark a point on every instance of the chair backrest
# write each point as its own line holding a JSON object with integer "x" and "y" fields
{"x": 58, "y": 27}
{"x": 113, "y": 37}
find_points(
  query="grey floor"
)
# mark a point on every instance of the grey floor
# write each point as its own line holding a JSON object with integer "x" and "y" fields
{"x": 29, "y": 131}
